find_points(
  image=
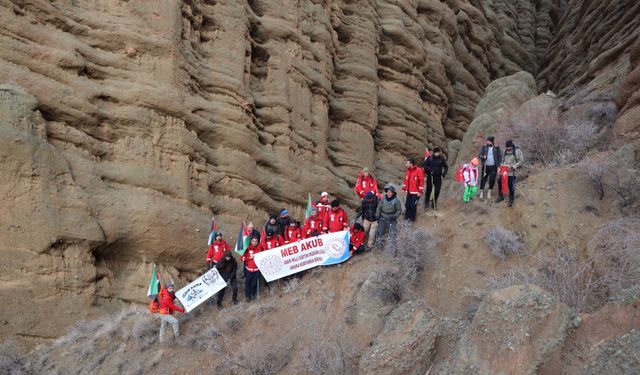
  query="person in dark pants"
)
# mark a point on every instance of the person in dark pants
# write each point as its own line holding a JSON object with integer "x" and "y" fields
{"x": 228, "y": 267}
{"x": 511, "y": 159}
{"x": 436, "y": 168}
{"x": 490, "y": 156}
{"x": 251, "y": 272}
{"x": 414, "y": 185}
{"x": 387, "y": 213}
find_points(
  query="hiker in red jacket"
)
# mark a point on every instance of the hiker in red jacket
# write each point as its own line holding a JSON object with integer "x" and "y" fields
{"x": 312, "y": 225}
{"x": 272, "y": 240}
{"x": 251, "y": 272}
{"x": 293, "y": 233}
{"x": 365, "y": 184}
{"x": 336, "y": 219}
{"x": 167, "y": 309}
{"x": 323, "y": 205}
{"x": 217, "y": 250}
{"x": 356, "y": 241}
{"x": 414, "y": 185}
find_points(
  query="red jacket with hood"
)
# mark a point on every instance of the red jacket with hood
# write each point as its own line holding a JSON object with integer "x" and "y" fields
{"x": 413, "y": 180}
{"x": 365, "y": 185}
{"x": 167, "y": 307}
{"x": 292, "y": 234}
{"x": 335, "y": 221}
{"x": 357, "y": 237}
{"x": 217, "y": 250}
{"x": 311, "y": 224}
{"x": 323, "y": 207}
{"x": 247, "y": 257}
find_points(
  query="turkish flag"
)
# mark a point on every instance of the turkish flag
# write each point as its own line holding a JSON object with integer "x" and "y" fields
{"x": 504, "y": 179}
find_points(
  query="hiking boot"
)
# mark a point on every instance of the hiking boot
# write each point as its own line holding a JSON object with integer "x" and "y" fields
{"x": 426, "y": 205}
{"x": 481, "y": 196}
{"x": 433, "y": 205}
{"x": 510, "y": 202}
{"x": 500, "y": 198}
{"x": 488, "y": 194}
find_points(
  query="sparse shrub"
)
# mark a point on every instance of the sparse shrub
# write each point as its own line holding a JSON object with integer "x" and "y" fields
{"x": 612, "y": 264}
{"x": 545, "y": 137}
{"x": 145, "y": 330}
{"x": 503, "y": 242}
{"x": 267, "y": 360}
{"x": 232, "y": 324}
{"x": 412, "y": 251}
{"x": 386, "y": 280}
{"x": 202, "y": 338}
{"x": 325, "y": 357}
{"x": 621, "y": 177}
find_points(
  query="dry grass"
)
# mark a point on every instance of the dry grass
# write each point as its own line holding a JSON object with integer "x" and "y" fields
{"x": 607, "y": 174}
{"x": 503, "y": 242}
{"x": 11, "y": 363}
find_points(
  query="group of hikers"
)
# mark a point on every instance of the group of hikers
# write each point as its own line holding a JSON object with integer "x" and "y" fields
{"x": 379, "y": 213}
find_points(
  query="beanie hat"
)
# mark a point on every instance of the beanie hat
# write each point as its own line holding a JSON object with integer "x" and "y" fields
{"x": 324, "y": 194}
{"x": 390, "y": 188}
{"x": 475, "y": 161}
{"x": 357, "y": 226}
{"x": 436, "y": 149}
{"x": 335, "y": 203}
{"x": 509, "y": 143}
{"x": 369, "y": 195}
{"x": 218, "y": 234}
{"x": 365, "y": 169}
{"x": 168, "y": 285}
{"x": 284, "y": 212}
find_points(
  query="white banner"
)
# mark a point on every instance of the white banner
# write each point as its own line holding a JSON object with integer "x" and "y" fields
{"x": 289, "y": 259}
{"x": 200, "y": 289}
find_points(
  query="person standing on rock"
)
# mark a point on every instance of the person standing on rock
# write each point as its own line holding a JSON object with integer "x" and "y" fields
{"x": 251, "y": 272}
{"x": 368, "y": 210}
{"x": 470, "y": 174}
{"x": 167, "y": 308}
{"x": 414, "y": 185}
{"x": 323, "y": 205}
{"x": 228, "y": 267}
{"x": 511, "y": 159}
{"x": 336, "y": 219}
{"x": 216, "y": 250}
{"x": 387, "y": 213}
{"x": 365, "y": 184}
{"x": 435, "y": 168}
{"x": 272, "y": 225}
{"x": 283, "y": 220}
{"x": 312, "y": 225}
{"x": 490, "y": 156}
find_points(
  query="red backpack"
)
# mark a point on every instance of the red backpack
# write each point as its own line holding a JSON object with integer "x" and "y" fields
{"x": 460, "y": 174}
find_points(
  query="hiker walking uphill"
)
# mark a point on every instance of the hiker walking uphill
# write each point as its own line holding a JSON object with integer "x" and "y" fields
{"x": 336, "y": 219}
{"x": 251, "y": 272}
{"x": 167, "y": 308}
{"x": 414, "y": 185}
{"x": 435, "y": 168}
{"x": 387, "y": 213}
{"x": 216, "y": 250}
{"x": 366, "y": 183}
{"x": 512, "y": 160}
{"x": 490, "y": 156}
{"x": 227, "y": 267}
{"x": 470, "y": 174}
{"x": 367, "y": 211}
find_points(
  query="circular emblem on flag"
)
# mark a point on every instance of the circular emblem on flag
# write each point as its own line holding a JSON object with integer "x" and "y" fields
{"x": 210, "y": 278}
{"x": 271, "y": 265}
{"x": 336, "y": 247}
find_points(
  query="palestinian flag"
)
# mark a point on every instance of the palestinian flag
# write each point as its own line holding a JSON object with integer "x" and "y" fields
{"x": 243, "y": 239}
{"x": 214, "y": 230}
{"x": 309, "y": 206}
{"x": 154, "y": 284}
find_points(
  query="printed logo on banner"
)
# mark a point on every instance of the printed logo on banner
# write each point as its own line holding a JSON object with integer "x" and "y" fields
{"x": 335, "y": 247}
{"x": 271, "y": 264}
{"x": 193, "y": 294}
{"x": 210, "y": 278}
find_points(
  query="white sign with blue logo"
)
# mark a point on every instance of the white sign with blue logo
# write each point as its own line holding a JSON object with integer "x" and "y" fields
{"x": 200, "y": 289}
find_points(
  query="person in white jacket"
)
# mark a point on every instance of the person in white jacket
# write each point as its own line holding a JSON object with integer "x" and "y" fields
{"x": 470, "y": 174}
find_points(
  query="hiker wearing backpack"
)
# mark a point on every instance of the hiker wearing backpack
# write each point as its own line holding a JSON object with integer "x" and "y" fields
{"x": 387, "y": 213}
{"x": 490, "y": 156}
{"x": 365, "y": 184}
{"x": 470, "y": 175}
{"x": 167, "y": 308}
{"x": 435, "y": 168}
{"x": 414, "y": 185}
{"x": 511, "y": 159}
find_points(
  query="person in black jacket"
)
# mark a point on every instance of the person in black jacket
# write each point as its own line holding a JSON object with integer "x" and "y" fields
{"x": 490, "y": 156}
{"x": 273, "y": 225}
{"x": 227, "y": 268}
{"x": 367, "y": 211}
{"x": 435, "y": 169}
